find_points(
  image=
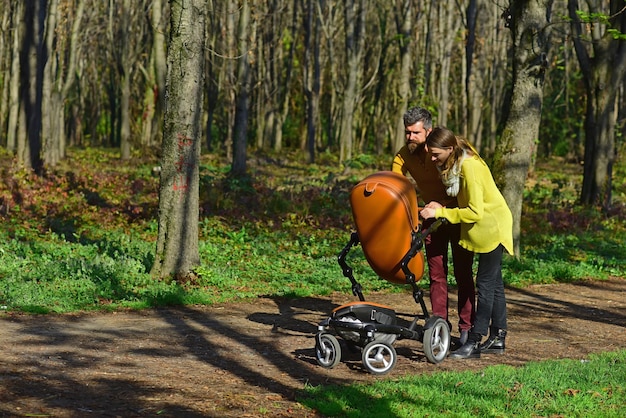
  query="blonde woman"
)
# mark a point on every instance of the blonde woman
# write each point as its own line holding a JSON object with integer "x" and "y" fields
{"x": 486, "y": 229}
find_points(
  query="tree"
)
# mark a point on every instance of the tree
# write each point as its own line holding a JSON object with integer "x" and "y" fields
{"x": 33, "y": 56}
{"x": 215, "y": 72}
{"x": 327, "y": 75}
{"x": 355, "y": 12}
{"x": 5, "y": 62}
{"x": 311, "y": 70}
{"x": 127, "y": 51}
{"x": 529, "y": 23}
{"x": 177, "y": 243}
{"x": 12, "y": 76}
{"x": 600, "y": 43}
{"x": 276, "y": 44}
{"x": 329, "y": 20}
{"x": 485, "y": 74}
{"x": 229, "y": 85}
{"x": 155, "y": 77}
{"x": 242, "y": 102}
{"x": 405, "y": 17}
{"x": 59, "y": 75}
{"x": 442, "y": 33}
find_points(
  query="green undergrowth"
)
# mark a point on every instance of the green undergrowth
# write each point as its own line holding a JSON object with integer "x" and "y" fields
{"x": 587, "y": 387}
{"x": 82, "y": 237}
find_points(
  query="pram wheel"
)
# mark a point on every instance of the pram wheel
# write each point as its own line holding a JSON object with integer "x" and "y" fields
{"x": 379, "y": 357}
{"x": 437, "y": 341}
{"x": 327, "y": 350}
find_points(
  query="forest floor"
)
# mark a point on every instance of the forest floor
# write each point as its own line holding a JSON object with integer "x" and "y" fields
{"x": 254, "y": 358}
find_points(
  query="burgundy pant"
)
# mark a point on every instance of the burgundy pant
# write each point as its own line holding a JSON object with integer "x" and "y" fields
{"x": 436, "y": 245}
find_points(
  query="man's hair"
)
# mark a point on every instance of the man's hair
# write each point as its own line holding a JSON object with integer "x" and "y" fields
{"x": 418, "y": 114}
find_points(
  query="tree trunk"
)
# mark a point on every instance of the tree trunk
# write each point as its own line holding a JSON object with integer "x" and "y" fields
{"x": 274, "y": 64}
{"x": 485, "y": 53}
{"x": 445, "y": 46}
{"x": 155, "y": 77}
{"x": 530, "y": 31}
{"x": 328, "y": 24}
{"x": 240, "y": 130}
{"x": 603, "y": 67}
{"x": 33, "y": 56}
{"x": 59, "y": 75}
{"x": 496, "y": 78}
{"x": 149, "y": 104}
{"x": 214, "y": 68}
{"x": 125, "y": 116}
{"x": 5, "y": 67}
{"x": 68, "y": 79}
{"x": 385, "y": 134}
{"x": 230, "y": 9}
{"x": 311, "y": 74}
{"x": 49, "y": 104}
{"x": 476, "y": 67}
{"x": 355, "y": 28}
{"x": 14, "y": 80}
{"x": 126, "y": 67}
{"x": 405, "y": 21}
{"x": 112, "y": 90}
{"x": 177, "y": 243}
{"x": 285, "y": 80}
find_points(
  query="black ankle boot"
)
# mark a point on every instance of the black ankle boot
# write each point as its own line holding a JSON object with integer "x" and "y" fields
{"x": 495, "y": 342}
{"x": 471, "y": 349}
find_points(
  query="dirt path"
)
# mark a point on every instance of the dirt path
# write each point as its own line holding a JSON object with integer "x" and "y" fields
{"x": 252, "y": 359}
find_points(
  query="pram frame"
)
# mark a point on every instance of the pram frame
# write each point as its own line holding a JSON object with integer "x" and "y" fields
{"x": 417, "y": 242}
{"x": 435, "y": 333}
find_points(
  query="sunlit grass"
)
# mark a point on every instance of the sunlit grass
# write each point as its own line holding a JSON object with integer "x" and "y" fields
{"x": 84, "y": 237}
{"x": 591, "y": 387}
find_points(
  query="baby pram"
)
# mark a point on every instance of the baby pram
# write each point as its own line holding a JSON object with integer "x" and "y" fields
{"x": 385, "y": 211}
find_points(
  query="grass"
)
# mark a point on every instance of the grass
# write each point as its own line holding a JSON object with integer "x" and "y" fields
{"x": 83, "y": 236}
{"x": 593, "y": 387}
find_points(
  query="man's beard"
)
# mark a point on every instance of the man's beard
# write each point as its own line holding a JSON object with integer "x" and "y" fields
{"x": 414, "y": 147}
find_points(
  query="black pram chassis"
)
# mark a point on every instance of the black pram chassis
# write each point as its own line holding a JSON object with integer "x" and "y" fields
{"x": 373, "y": 328}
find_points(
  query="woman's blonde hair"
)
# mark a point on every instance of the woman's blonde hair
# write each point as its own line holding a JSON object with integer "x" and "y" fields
{"x": 441, "y": 137}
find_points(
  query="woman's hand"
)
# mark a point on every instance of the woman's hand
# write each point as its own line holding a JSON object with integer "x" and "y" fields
{"x": 428, "y": 212}
{"x": 434, "y": 205}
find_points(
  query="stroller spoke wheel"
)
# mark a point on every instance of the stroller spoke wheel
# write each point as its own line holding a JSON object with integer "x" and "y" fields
{"x": 327, "y": 350}
{"x": 437, "y": 341}
{"x": 379, "y": 357}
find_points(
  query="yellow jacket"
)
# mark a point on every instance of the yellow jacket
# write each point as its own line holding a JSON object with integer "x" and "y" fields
{"x": 485, "y": 218}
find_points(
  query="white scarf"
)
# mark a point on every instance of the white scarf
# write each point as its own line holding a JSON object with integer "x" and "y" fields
{"x": 453, "y": 180}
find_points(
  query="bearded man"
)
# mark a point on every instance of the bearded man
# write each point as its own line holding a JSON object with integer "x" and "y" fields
{"x": 413, "y": 158}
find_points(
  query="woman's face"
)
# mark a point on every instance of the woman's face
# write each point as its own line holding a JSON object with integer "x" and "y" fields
{"x": 439, "y": 155}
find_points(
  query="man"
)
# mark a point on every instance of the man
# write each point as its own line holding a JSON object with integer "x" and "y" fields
{"x": 414, "y": 159}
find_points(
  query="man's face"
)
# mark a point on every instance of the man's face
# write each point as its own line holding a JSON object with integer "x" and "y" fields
{"x": 415, "y": 136}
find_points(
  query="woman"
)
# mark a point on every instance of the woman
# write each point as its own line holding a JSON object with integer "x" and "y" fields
{"x": 486, "y": 229}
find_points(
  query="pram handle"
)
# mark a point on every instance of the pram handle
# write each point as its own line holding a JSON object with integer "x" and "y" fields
{"x": 357, "y": 290}
{"x": 416, "y": 246}
{"x": 434, "y": 226}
